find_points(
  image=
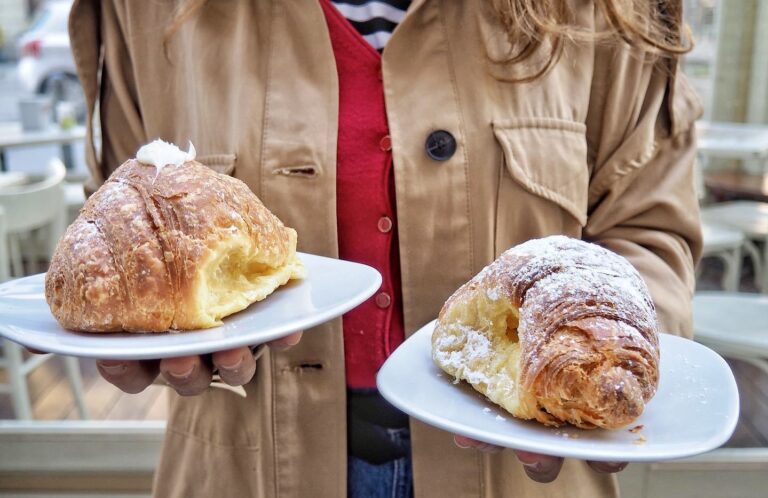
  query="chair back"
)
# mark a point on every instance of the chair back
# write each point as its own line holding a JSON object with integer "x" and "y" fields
{"x": 37, "y": 204}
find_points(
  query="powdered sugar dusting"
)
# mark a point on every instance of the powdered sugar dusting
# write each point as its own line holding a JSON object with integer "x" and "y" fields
{"x": 566, "y": 290}
{"x": 572, "y": 280}
{"x": 461, "y": 350}
{"x": 493, "y": 293}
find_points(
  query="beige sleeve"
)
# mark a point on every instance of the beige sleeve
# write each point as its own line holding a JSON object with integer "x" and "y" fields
{"x": 654, "y": 222}
{"x": 104, "y": 67}
{"x": 642, "y": 197}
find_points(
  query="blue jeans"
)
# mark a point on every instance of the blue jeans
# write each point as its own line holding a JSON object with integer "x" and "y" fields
{"x": 389, "y": 480}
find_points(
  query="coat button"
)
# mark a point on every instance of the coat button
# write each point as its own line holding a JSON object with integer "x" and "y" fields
{"x": 385, "y": 224}
{"x": 440, "y": 145}
{"x": 385, "y": 143}
{"x": 383, "y": 300}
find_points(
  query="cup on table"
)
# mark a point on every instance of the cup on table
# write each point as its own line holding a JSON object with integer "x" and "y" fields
{"x": 35, "y": 113}
{"x": 65, "y": 114}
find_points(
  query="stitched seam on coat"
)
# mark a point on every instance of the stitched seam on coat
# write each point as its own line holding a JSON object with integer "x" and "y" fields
{"x": 261, "y": 193}
{"x": 267, "y": 107}
{"x": 462, "y": 128}
{"x": 480, "y": 461}
{"x": 464, "y": 153}
{"x": 541, "y": 122}
{"x": 332, "y": 134}
{"x": 200, "y": 439}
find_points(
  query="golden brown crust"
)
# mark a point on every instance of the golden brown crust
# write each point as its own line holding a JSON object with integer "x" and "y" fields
{"x": 134, "y": 258}
{"x": 588, "y": 339}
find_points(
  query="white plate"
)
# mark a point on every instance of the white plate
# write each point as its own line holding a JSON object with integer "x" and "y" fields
{"x": 332, "y": 287}
{"x": 695, "y": 408}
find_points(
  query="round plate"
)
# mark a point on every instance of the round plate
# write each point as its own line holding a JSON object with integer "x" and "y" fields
{"x": 332, "y": 287}
{"x": 694, "y": 410}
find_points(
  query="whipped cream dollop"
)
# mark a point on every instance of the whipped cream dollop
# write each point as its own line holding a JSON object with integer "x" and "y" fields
{"x": 160, "y": 154}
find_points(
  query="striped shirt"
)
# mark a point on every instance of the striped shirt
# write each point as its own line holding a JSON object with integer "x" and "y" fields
{"x": 375, "y": 20}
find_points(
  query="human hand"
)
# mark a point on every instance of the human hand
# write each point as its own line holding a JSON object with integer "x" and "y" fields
{"x": 540, "y": 468}
{"x": 188, "y": 375}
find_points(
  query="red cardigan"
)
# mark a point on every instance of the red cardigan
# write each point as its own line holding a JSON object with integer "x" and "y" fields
{"x": 365, "y": 201}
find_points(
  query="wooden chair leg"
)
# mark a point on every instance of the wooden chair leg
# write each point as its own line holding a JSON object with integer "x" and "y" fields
{"x": 17, "y": 380}
{"x": 72, "y": 368}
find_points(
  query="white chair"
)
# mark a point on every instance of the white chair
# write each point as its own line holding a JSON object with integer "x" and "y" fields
{"x": 5, "y": 262}
{"x": 30, "y": 207}
{"x": 26, "y": 208}
{"x": 725, "y": 244}
{"x": 18, "y": 368}
{"x": 733, "y": 324}
{"x": 751, "y": 218}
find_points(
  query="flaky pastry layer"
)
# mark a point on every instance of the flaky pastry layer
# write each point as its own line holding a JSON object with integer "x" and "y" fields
{"x": 179, "y": 248}
{"x": 556, "y": 330}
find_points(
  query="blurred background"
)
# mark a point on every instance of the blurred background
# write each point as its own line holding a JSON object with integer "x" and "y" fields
{"x": 66, "y": 432}
{"x": 38, "y": 82}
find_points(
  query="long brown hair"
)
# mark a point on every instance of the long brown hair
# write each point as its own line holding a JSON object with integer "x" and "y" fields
{"x": 654, "y": 26}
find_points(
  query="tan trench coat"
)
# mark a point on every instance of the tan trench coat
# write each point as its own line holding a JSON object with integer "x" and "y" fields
{"x": 601, "y": 148}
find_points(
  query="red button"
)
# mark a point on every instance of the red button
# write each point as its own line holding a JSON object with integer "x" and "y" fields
{"x": 385, "y": 224}
{"x": 383, "y": 300}
{"x": 385, "y": 143}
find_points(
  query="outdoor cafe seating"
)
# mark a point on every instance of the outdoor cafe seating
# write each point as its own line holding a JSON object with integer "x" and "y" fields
{"x": 65, "y": 431}
{"x": 33, "y": 219}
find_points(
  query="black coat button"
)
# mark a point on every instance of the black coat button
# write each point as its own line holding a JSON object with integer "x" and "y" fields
{"x": 440, "y": 145}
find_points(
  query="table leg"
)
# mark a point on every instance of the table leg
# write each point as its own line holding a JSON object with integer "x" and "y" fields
{"x": 732, "y": 272}
{"x": 757, "y": 262}
{"x": 764, "y": 283}
{"x": 67, "y": 157}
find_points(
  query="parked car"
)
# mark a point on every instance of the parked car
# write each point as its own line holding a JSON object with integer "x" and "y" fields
{"x": 46, "y": 65}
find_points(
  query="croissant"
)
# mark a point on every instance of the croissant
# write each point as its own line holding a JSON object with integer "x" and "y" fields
{"x": 557, "y": 330}
{"x": 167, "y": 243}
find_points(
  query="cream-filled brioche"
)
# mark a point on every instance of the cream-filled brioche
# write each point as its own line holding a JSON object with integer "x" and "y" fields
{"x": 167, "y": 243}
{"x": 557, "y": 330}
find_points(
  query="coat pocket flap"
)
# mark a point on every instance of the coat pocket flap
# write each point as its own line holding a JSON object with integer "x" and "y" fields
{"x": 220, "y": 163}
{"x": 548, "y": 157}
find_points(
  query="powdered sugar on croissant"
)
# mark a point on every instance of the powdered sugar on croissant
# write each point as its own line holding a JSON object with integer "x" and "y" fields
{"x": 557, "y": 330}
{"x": 167, "y": 245}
